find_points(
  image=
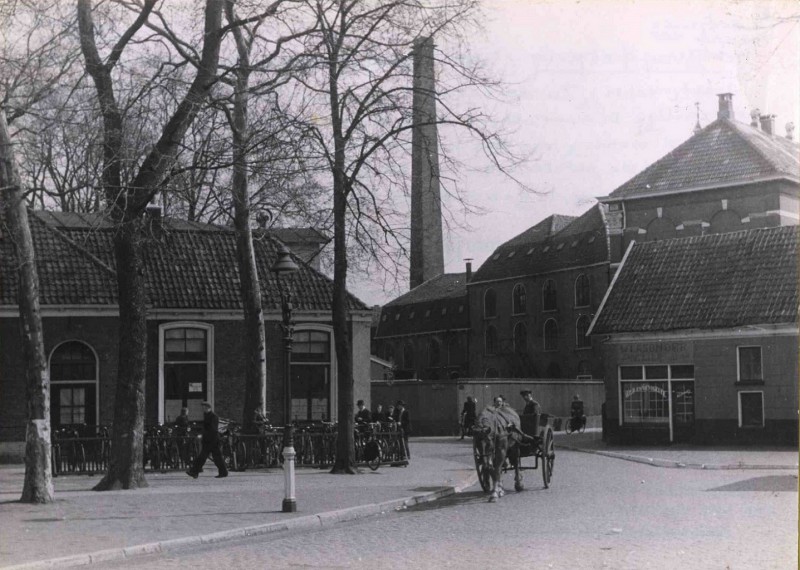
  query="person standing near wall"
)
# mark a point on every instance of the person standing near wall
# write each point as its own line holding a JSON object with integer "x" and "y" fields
{"x": 404, "y": 420}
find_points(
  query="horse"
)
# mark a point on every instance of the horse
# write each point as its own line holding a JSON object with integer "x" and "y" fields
{"x": 496, "y": 437}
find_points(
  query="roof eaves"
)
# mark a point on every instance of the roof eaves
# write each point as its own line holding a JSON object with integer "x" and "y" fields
{"x": 610, "y": 288}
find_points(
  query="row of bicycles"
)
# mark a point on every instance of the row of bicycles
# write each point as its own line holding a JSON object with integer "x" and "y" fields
{"x": 87, "y": 449}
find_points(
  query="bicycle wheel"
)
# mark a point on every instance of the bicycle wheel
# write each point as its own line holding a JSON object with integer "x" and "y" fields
{"x": 372, "y": 451}
{"x": 582, "y": 425}
{"x": 548, "y": 456}
{"x": 240, "y": 453}
{"x": 81, "y": 459}
{"x": 568, "y": 426}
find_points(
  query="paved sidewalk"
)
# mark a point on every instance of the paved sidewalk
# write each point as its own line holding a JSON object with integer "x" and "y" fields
{"x": 176, "y": 511}
{"x": 684, "y": 456}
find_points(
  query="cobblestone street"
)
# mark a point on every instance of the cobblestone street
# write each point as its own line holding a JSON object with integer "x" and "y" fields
{"x": 600, "y": 512}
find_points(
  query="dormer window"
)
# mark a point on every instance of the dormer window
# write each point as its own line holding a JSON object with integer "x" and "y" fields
{"x": 411, "y": 315}
{"x": 546, "y": 249}
{"x": 444, "y": 311}
{"x": 383, "y": 317}
{"x": 496, "y": 257}
{"x": 397, "y": 317}
{"x": 560, "y": 246}
{"x": 591, "y": 240}
{"x": 574, "y": 243}
{"x": 530, "y": 251}
{"x": 510, "y": 254}
{"x": 427, "y": 313}
{"x": 461, "y": 308}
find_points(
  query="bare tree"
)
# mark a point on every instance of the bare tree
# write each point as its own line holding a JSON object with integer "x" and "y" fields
{"x": 362, "y": 125}
{"x": 29, "y": 68}
{"x": 127, "y": 202}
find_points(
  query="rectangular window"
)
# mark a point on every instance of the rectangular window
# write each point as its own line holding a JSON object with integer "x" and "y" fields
{"x": 630, "y": 372}
{"x": 750, "y": 364}
{"x": 751, "y": 409}
{"x": 683, "y": 402}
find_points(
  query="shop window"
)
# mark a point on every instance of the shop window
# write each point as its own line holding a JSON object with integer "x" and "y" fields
{"x": 518, "y": 301}
{"x": 645, "y": 397}
{"x": 750, "y": 364}
{"x": 751, "y": 409}
{"x": 645, "y": 403}
{"x": 549, "y": 297}
{"x": 583, "y": 292}
{"x": 520, "y": 338}
{"x": 490, "y": 340}
{"x": 489, "y": 304}
{"x": 551, "y": 335}
{"x": 581, "y": 327}
{"x": 683, "y": 402}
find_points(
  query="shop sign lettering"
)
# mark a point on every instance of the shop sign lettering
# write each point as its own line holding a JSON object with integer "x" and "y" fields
{"x": 645, "y": 388}
{"x": 657, "y": 352}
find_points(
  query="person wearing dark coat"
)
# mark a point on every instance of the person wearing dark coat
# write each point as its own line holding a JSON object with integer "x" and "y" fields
{"x": 468, "y": 415}
{"x": 362, "y": 415}
{"x": 210, "y": 445}
{"x": 404, "y": 420}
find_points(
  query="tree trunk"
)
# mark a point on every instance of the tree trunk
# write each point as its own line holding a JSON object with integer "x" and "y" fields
{"x": 254, "y": 351}
{"x": 345, "y": 444}
{"x": 38, "y": 485}
{"x": 126, "y": 468}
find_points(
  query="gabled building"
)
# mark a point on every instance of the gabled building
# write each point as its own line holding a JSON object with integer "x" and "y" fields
{"x": 194, "y": 325}
{"x": 532, "y": 301}
{"x": 700, "y": 324}
{"x": 425, "y": 332}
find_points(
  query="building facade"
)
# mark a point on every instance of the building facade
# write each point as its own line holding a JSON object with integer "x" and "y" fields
{"x": 194, "y": 326}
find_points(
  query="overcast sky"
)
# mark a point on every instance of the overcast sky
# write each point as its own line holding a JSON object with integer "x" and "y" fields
{"x": 598, "y": 90}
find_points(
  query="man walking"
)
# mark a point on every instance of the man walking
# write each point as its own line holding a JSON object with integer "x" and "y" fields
{"x": 405, "y": 424}
{"x": 210, "y": 445}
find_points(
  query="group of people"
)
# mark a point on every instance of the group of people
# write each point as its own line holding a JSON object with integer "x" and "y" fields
{"x": 397, "y": 413}
{"x": 532, "y": 407}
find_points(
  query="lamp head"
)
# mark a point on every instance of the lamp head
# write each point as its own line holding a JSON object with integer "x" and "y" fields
{"x": 284, "y": 264}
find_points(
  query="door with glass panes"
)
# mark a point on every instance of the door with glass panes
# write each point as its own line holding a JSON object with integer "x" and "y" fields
{"x": 311, "y": 376}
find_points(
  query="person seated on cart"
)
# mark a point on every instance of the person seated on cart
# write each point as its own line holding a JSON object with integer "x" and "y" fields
{"x": 576, "y": 412}
{"x": 532, "y": 411}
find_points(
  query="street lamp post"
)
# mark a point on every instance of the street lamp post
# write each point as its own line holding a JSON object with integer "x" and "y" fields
{"x": 285, "y": 266}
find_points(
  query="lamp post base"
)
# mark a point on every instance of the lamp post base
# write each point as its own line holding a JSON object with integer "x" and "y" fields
{"x": 289, "y": 506}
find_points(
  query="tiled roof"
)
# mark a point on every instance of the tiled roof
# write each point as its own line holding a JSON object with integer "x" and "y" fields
{"x": 437, "y": 304}
{"x": 543, "y": 248}
{"x": 724, "y": 152}
{"x": 188, "y": 266}
{"x": 715, "y": 281}
{"x": 294, "y": 235}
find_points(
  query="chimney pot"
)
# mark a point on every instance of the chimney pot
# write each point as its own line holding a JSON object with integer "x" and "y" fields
{"x": 790, "y": 131}
{"x": 755, "y": 118}
{"x": 469, "y": 270}
{"x": 725, "y": 106}
{"x": 768, "y": 124}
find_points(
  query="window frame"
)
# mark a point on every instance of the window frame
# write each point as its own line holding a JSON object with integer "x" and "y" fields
{"x": 438, "y": 352}
{"x": 520, "y": 326}
{"x": 583, "y": 342}
{"x": 95, "y": 381}
{"x": 739, "y": 406}
{"x": 545, "y": 336}
{"x": 519, "y": 303}
{"x": 752, "y": 382}
{"x": 493, "y": 330}
{"x": 547, "y": 294}
{"x": 494, "y": 301}
{"x": 587, "y": 289}
{"x": 162, "y": 329}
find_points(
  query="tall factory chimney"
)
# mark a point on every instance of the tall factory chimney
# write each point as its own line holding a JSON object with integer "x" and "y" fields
{"x": 427, "y": 251}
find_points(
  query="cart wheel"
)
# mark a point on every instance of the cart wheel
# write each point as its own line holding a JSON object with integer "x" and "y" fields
{"x": 484, "y": 476}
{"x": 548, "y": 457}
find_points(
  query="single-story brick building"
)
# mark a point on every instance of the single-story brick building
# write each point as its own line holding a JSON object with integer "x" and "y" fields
{"x": 700, "y": 339}
{"x": 194, "y": 325}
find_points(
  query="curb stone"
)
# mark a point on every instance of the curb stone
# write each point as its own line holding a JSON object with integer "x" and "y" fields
{"x": 655, "y": 462}
{"x": 308, "y": 522}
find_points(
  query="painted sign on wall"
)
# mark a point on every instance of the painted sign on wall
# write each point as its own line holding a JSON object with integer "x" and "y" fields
{"x": 656, "y": 352}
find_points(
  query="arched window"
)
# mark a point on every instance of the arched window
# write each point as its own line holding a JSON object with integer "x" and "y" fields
{"x": 388, "y": 352}
{"x": 434, "y": 353}
{"x": 581, "y": 326}
{"x": 73, "y": 389}
{"x": 725, "y": 221}
{"x": 660, "y": 228}
{"x": 489, "y": 304}
{"x": 518, "y": 299}
{"x": 490, "y": 345}
{"x": 491, "y": 373}
{"x": 583, "y": 292}
{"x": 550, "y": 335}
{"x": 520, "y": 338}
{"x": 408, "y": 356}
{"x": 455, "y": 352}
{"x": 549, "y": 299}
